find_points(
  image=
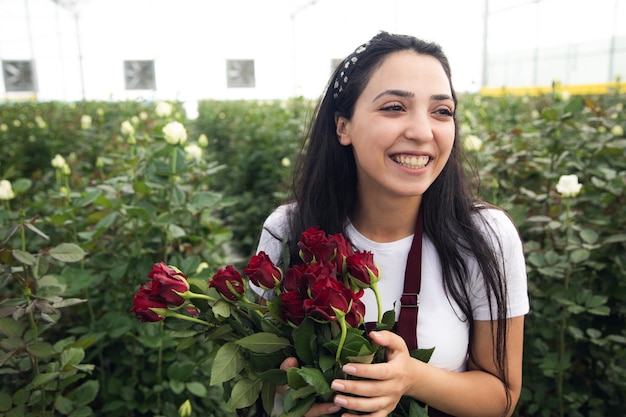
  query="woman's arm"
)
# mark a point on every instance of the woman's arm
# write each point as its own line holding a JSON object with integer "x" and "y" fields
{"x": 462, "y": 394}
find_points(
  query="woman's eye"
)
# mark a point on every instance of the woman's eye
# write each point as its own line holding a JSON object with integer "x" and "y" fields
{"x": 393, "y": 108}
{"x": 445, "y": 111}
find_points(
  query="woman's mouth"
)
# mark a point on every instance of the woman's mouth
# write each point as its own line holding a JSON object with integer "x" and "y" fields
{"x": 411, "y": 161}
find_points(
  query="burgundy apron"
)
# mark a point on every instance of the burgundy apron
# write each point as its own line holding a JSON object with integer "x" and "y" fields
{"x": 410, "y": 300}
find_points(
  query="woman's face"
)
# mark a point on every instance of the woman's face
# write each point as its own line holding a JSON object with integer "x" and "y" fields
{"x": 402, "y": 129}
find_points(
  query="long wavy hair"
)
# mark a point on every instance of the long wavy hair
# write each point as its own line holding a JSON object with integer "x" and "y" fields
{"x": 325, "y": 190}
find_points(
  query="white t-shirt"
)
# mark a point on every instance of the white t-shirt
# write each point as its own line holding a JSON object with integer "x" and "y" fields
{"x": 440, "y": 322}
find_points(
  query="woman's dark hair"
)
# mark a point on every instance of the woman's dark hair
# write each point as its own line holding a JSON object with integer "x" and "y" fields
{"x": 325, "y": 184}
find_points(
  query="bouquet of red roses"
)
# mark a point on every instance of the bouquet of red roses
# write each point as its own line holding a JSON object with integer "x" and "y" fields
{"x": 316, "y": 315}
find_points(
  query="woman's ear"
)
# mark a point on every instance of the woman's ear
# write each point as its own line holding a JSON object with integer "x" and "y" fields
{"x": 343, "y": 130}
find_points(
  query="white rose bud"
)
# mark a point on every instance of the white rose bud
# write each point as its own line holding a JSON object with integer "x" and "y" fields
{"x": 175, "y": 133}
{"x": 568, "y": 186}
{"x": 617, "y": 131}
{"x": 203, "y": 141}
{"x": 85, "y": 122}
{"x": 286, "y": 162}
{"x": 40, "y": 122}
{"x": 163, "y": 109}
{"x": 127, "y": 128}
{"x": 6, "y": 190}
{"x": 472, "y": 143}
{"x": 194, "y": 152}
{"x": 58, "y": 162}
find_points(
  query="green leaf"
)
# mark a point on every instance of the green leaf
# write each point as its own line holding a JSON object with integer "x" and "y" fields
{"x": 10, "y": 327}
{"x": 88, "y": 198}
{"x": 43, "y": 379}
{"x": 177, "y": 386}
{"x": 204, "y": 199}
{"x": 24, "y": 257}
{"x": 67, "y": 252}
{"x": 86, "y": 393}
{"x": 305, "y": 341}
{"x": 314, "y": 377}
{"x": 107, "y": 221}
{"x": 5, "y": 401}
{"x": 180, "y": 371}
{"x": 33, "y": 229}
{"x": 245, "y": 393}
{"x": 72, "y": 356}
{"x": 227, "y": 363}
{"x": 221, "y": 308}
{"x": 579, "y": 255}
{"x": 423, "y": 355}
{"x": 40, "y": 349}
{"x": 589, "y": 236}
{"x": 197, "y": 389}
{"x": 63, "y": 405}
{"x": 275, "y": 376}
{"x": 268, "y": 393}
{"x": 263, "y": 342}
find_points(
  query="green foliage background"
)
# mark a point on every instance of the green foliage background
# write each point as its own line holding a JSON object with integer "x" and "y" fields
{"x": 74, "y": 249}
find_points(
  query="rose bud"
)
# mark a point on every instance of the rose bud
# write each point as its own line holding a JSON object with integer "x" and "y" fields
{"x": 357, "y": 309}
{"x": 361, "y": 269}
{"x": 228, "y": 282}
{"x": 143, "y": 302}
{"x": 315, "y": 246}
{"x": 166, "y": 280}
{"x": 343, "y": 249}
{"x": 262, "y": 271}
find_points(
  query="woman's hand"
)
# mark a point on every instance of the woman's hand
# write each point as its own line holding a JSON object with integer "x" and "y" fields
{"x": 385, "y": 382}
{"x": 317, "y": 409}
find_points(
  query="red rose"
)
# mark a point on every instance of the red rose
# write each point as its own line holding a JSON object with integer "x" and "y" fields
{"x": 357, "y": 309}
{"x": 262, "y": 271}
{"x": 361, "y": 269}
{"x": 343, "y": 249}
{"x": 166, "y": 280}
{"x": 302, "y": 277}
{"x": 314, "y": 245}
{"x": 228, "y": 282}
{"x": 327, "y": 294}
{"x": 144, "y": 301}
{"x": 292, "y": 307}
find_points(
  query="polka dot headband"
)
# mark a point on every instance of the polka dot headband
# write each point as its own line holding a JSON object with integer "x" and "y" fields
{"x": 349, "y": 64}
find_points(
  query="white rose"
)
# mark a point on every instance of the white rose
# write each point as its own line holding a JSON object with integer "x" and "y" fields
{"x": 568, "y": 186}
{"x": 472, "y": 143}
{"x": 286, "y": 162}
{"x": 127, "y": 128}
{"x": 6, "y": 191}
{"x": 617, "y": 131}
{"x": 194, "y": 152}
{"x": 163, "y": 109}
{"x": 58, "y": 162}
{"x": 85, "y": 122}
{"x": 175, "y": 133}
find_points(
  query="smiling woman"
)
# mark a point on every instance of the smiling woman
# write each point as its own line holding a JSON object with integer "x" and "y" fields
{"x": 383, "y": 167}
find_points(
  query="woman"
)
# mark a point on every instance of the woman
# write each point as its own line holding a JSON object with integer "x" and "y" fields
{"x": 383, "y": 166}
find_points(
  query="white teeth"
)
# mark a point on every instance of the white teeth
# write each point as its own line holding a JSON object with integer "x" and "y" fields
{"x": 413, "y": 162}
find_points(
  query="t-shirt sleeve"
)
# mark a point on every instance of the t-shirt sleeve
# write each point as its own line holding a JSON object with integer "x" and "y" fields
{"x": 505, "y": 239}
{"x": 271, "y": 241}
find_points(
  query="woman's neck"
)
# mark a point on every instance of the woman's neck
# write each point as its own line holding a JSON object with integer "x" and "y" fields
{"x": 381, "y": 221}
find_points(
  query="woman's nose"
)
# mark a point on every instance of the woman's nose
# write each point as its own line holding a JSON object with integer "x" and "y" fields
{"x": 419, "y": 127}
